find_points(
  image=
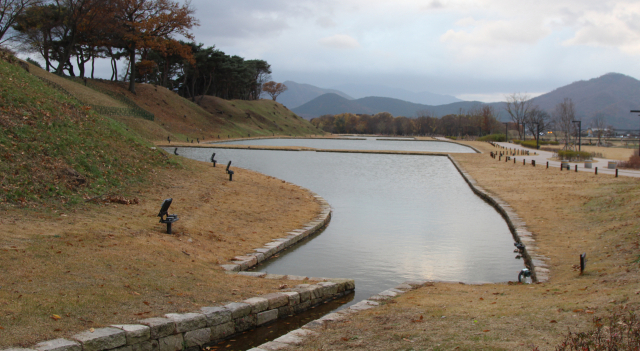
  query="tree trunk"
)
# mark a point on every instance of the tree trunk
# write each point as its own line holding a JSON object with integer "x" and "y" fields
{"x": 132, "y": 70}
{"x": 93, "y": 65}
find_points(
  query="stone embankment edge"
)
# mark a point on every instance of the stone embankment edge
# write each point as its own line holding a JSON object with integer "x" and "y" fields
{"x": 295, "y": 338}
{"x": 209, "y": 325}
{"x": 534, "y": 261}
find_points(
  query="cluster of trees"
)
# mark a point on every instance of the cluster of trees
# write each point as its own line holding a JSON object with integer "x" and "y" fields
{"x": 142, "y": 32}
{"x": 477, "y": 122}
{"x": 562, "y": 120}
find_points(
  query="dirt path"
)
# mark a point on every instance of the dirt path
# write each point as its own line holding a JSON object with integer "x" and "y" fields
{"x": 568, "y": 213}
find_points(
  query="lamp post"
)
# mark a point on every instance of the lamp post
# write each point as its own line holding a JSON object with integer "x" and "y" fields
{"x": 637, "y": 111}
{"x": 506, "y": 131}
{"x": 579, "y": 134}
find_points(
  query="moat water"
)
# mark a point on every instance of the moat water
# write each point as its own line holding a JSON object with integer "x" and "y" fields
{"x": 395, "y": 217}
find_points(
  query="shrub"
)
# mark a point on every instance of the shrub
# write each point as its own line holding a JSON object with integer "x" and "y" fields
{"x": 452, "y": 138}
{"x": 493, "y": 137}
{"x": 574, "y": 155}
{"x": 634, "y": 162}
{"x": 34, "y": 62}
{"x": 532, "y": 143}
{"x": 622, "y": 332}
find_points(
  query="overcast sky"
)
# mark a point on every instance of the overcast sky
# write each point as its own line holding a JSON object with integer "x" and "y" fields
{"x": 479, "y": 49}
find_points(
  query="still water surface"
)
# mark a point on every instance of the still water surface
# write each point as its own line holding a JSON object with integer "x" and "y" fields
{"x": 395, "y": 217}
{"x": 358, "y": 144}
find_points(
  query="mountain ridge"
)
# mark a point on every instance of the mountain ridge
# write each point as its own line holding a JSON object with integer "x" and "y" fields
{"x": 611, "y": 95}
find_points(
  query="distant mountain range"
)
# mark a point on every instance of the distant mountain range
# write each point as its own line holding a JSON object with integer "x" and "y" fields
{"x": 612, "y": 95}
{"x": 298, "y": 94}
{"x": 425, "y": 97}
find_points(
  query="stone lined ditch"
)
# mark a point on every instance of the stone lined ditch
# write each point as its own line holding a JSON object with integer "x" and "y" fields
{"x": 395, "y": 217}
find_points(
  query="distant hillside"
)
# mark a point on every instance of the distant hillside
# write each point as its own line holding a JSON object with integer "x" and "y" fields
{"x": 613, "y": 95}
{"x": 424, "y": 97}
{"x": 334, "y": 104}
{"x": 298, "y": 94}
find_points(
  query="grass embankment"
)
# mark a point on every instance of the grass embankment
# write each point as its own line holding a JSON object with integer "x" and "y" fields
{"x": 70, "y": 264}
{"x": 182, "y": 119}
{"x": 568, "y": 213}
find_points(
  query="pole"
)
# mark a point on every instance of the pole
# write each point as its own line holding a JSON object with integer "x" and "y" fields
{"x": 579, "y": 134}
{"x": 637, "y": 111}
{"x": 538, "y": 137}
{"x": 506, "y": 132}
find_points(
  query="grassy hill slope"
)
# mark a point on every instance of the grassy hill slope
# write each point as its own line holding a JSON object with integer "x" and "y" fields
{"x": 51, "y": 147}
{"x": 206, "y": 118}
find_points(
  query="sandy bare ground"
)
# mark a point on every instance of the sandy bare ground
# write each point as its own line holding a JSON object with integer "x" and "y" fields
{"x": 102, "y": 264}
{"x": 568, "y": 213}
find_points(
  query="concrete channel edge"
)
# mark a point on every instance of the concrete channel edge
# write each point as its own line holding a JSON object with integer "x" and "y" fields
{"x": 536, "y": 262}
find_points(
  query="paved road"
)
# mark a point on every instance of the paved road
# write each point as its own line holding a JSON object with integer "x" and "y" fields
{"x": 543, "y": 157}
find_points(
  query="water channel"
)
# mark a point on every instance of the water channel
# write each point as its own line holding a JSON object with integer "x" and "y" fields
{"x": 395, "y": 217}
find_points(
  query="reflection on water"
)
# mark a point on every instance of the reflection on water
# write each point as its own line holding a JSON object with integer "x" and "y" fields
{"x": 356, "y": 144}
{"x": 395, "y": 218}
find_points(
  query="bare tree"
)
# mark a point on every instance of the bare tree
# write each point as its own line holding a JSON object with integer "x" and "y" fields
{"x": 564, "y": 113}
{"x": 537, "y": 120}
{"x": 518, "y": 106}
{"x": 597, "y": 126}
{"x": 10, "y": 10}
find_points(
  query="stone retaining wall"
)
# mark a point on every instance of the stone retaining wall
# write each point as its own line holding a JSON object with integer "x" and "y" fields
{"x": 296, "y": 337}
{"x": 534, "y": 261}
{"x": 241, "y": 263}
{"x": 191, "y": 331}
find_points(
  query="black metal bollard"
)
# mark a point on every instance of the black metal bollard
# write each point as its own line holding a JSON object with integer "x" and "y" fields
{"x": 596, "y": 170}
{"x": 547, "y": 164}
{"x": 213, "y": 159}
{"x": 533, "y": 163}
{"x": 616, "y": 173}
{"x": 198, "y": 140}
{"x": 583, "y": 262}
{"x": 524, "y": 162}
{"x": 514, "y": 160}
{"x": 576, "y": 168}
{"x": 230, "y": 175}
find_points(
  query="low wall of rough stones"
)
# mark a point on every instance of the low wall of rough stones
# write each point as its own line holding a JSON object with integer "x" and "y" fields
{"x": 191, "y": 331}
{"x": 296, "y": 337}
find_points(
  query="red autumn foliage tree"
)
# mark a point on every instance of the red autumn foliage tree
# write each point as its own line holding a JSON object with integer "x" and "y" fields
{"x": 144, "y": 24}
{"x": 274, "y": 89}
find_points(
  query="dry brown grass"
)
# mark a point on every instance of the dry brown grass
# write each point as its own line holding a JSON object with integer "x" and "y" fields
{"x": 103, "y": 264}
{"x": 614, "y": 153}
{"x": 84, "y": 94}
{"x": 568, "y": 213}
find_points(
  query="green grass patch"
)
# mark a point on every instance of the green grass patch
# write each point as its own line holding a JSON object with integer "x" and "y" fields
{"x": 493, "y": 137}
{"x": 53, "y": 150}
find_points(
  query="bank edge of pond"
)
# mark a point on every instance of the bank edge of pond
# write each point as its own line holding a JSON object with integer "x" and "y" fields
{"x": 534, "y": 261}
{"x": 296, "y": 337}
{"x": 210, "y": 325}
{"x": 298, "y": 148}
